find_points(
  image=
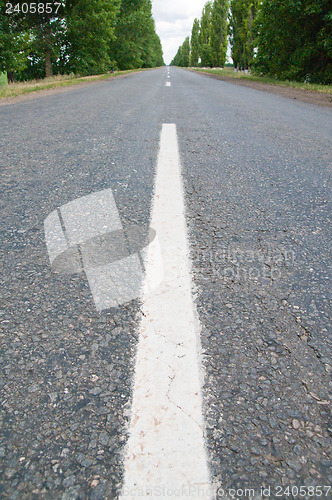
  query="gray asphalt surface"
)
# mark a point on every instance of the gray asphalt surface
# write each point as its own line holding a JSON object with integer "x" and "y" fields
{"x": 256, "y": 168}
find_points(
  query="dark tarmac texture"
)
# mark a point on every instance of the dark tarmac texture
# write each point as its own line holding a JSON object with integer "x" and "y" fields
{"x": 257, "y": 176}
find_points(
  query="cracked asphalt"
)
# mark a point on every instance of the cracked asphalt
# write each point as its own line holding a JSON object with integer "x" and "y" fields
{"x": 257, "y": 177}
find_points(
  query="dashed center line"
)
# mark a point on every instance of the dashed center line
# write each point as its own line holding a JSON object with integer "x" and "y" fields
{"x": 166, "y": 450}
{"x": 168, "y": 84}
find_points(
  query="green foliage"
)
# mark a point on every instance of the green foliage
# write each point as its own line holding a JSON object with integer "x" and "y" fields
{"x": 208, "y": 37}
{"x": 84, "y": 36}
{"x": 90, "y": 32}
{"x": 286, "y": 39}
{"x": 183, "y": 55}
{"x": 186, "y": 52}
{"x": 137, "y": 45}
{"x": 33, "y": 37}
{"x": 14, "y": 44}
{"x": 195, "y": 44}
{"x": 294, "y": 39}
{"x": 219, "y": 32}
{"x": 243, "y": 14}
{"x": 14, "y": 50}
{"x": 205, "y": 35}
{"x": 177, "y": 60}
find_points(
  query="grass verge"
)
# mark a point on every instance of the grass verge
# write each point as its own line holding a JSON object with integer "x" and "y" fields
{"x": 3, "y": 79}
{"x": 19, "y": 88}
{"x": 230, "y": 73}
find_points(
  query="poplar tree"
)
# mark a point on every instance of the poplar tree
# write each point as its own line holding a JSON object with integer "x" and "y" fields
{"x": 177, "y": 59}
{"x": 219, "y": 32}
{"x": 194, "y": 43}
{"x": 205, "y": 35}
{"x": 243, "y": 14}
{"x": 137, "y": 44}
{"x": 89, "y": 35}
{"x": 186, "y": 52}
{"x": 183, "y": 55}
{"x": 286, "y": 39}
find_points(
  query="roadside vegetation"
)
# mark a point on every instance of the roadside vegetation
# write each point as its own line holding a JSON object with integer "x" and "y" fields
{"x": 281, "y": 39}
{"x": 19, "y": 88}
{"x": 3, "y": 79}
{"x": 240, "y": 75}
{"x": 77, "y": 37}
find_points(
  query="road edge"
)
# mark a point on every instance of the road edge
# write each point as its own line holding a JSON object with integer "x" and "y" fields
{"x": 36, "y": 94}
{"x": 307, "y": 96}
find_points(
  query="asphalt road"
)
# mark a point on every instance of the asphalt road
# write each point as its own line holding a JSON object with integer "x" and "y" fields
{"x": 256, "y": 171}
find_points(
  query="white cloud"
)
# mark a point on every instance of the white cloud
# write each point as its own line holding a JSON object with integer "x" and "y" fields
{"x": 174, "y": 20}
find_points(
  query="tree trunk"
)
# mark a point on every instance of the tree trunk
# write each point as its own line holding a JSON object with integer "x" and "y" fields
{"x": 48, "y": 49}
{"x": 11, "y": 76}
{"x": 48, "y": 63}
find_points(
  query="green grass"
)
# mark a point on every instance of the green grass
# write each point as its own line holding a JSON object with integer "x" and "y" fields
{"x": 19, "y": 88}
{"x": 229, "y": 72}
{"x": 3, "y": 79}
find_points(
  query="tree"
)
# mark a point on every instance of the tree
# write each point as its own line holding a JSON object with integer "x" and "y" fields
{"x": 195, "y": 45}
{"x": 219, "y": 32}
{"x": 79, "y": 36}
{"x": 154, "y": 55}
{"x": 177, "y": 60}
{"x": 14, "y": 46}
{"x": 294, "y": 39}
{"x": 90, "y": 32}
{"x": 185, "y": 52}
{"x": 243, "y": 14}
{"x": 182, "y": 55}
{"x": 137, "y": 44}
{"x": 205, "y": 35}
{"x": 40, "y": 22}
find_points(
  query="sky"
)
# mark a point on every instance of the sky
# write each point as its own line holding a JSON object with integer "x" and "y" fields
{"x": 174, "y": 20}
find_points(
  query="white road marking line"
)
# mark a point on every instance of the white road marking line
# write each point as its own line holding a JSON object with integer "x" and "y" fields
{"x": 168, "y": 84}
{"x": 166, "y": 441}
